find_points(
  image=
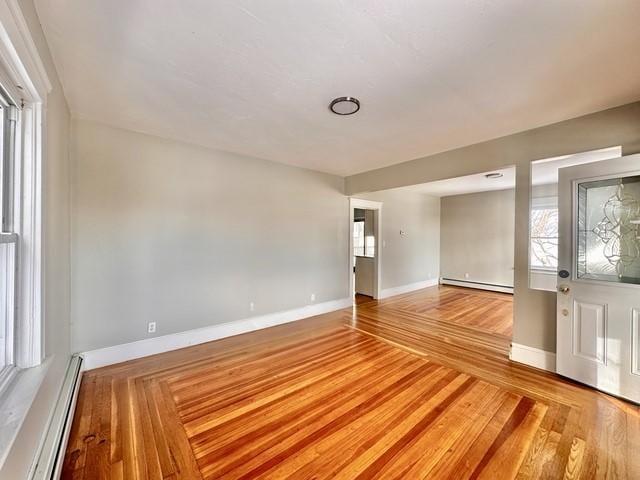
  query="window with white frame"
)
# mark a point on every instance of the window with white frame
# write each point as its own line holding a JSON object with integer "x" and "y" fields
{"x": 543, "y": 226}
{"x": 22, "y": 90}
{"x": 358, "y": 238}
{"x": 544, "y": 238}
{"x": 363, "y": 237}
{"x": 9, "y": 239}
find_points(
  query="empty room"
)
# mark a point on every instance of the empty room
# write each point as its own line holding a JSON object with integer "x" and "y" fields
{"x": 319, "y": 239}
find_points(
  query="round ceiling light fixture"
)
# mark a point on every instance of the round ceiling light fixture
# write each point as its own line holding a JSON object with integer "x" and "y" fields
{"x": 494, "y": 175}
{"x": 345, "y": 105}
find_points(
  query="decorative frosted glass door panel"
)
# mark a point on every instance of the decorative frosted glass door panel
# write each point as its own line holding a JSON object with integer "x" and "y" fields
{"x": 608, "y": 243}
{"x": 598, "y": 297}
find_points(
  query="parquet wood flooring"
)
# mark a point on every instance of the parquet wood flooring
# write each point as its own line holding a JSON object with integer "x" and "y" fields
{"x": 387, "y": 389}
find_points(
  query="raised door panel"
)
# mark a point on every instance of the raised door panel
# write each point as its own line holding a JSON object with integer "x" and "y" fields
{"x": 589, "y": 331}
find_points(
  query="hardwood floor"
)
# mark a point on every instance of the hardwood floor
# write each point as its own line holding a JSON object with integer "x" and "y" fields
{"x": 402, "y": 388}
{"x": 479, "y": 309}
{"x": 358, "y": 299}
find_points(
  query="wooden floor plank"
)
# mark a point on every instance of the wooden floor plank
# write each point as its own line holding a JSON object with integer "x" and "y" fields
{"x": 414, "y": 386}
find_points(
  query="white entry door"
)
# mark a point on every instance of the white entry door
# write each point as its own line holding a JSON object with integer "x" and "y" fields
{"x": 598, "y": 306}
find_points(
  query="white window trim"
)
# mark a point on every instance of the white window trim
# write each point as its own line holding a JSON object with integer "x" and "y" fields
{"x": 30, "y": 86}
{"x": 29, "y": 328}
{"x": 25, "y": 78}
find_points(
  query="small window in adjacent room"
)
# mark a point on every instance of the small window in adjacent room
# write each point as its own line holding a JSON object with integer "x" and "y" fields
{"x": 370, "y": 246}
{"x": 358, "y": 238}
{"x": 364, "y": 240}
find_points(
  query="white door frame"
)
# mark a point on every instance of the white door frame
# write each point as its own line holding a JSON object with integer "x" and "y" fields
{"x": 377, "y": 276}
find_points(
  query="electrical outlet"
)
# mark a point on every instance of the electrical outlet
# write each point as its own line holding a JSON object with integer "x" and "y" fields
{"x": 466, "y": 275}
{"x": 313, "y": 297}
{"x": 252, "y": 307}
{"x": 151, "y": 327}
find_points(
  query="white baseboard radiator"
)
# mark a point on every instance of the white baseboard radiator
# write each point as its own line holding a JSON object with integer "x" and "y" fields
{"x": 51, "y": 458}
{"x": 479, "y": 285}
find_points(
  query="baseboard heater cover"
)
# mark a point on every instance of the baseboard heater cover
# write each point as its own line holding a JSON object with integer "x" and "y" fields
{"x": 480, "y": 285}
{"x": 51, "y": 457}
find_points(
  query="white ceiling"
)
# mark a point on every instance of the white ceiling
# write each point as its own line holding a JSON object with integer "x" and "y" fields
{"x": 256, "y": 77}
{"x": 467, "y": 184}
{"x": 543, "y": 172}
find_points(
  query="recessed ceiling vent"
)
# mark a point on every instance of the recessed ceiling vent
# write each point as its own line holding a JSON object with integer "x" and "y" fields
{"x": 345, "y": 105}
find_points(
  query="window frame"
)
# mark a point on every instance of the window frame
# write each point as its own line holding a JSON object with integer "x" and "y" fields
{"x": 9, "y": 188}
{"x": 9, "y": 159}
{"x": 364, "y": 243}
{"x": 24, "y": 80}
{"x": 368, "y": 250}
{"x": 24, "y": 76}
{"x": 540, "y": 203}
{"x": 8, "y": 313}
{"x": 539, "y": 268}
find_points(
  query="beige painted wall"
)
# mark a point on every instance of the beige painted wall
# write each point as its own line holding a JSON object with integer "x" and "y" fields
{"x": 188, "y": 237}
{"x": 534, "y": 322}
{"x": 477, "y": 237}
{"x": 414, "y": 257}
{"x": 56, "y": 207}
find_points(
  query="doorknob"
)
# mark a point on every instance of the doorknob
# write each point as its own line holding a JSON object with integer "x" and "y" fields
{"x": 563, "y": 289}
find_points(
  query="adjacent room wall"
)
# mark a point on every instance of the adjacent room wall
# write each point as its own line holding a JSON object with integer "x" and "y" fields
{"x": 56, "y": 208}
{"x": 534, "y": 310}
{"x": 188, "y": 237}
{"x": 477, "y": 237}
{"x": 415, "y": 256}
{"x": 365, "y": 276}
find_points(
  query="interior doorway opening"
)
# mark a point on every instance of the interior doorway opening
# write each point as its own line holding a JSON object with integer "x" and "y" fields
{"x": 449, "y": 251}
{"x": 365, "y": 219}
{"x": 476, "y": 252}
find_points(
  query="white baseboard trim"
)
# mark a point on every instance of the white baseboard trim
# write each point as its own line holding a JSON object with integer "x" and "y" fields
{"x": 142, "y": 348}
{"x": 390, "y": 292}
{"x": 478, "y": 285}
{"x": 533, "y": 357}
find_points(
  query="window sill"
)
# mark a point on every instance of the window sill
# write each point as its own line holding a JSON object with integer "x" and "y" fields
{"x": 15, "y": 402}
{"x": 7, "y": 375}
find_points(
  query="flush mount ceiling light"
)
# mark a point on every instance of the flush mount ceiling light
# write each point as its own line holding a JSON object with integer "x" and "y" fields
{"x": 345, "y": 105}
{"x": 494, "y": 175}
